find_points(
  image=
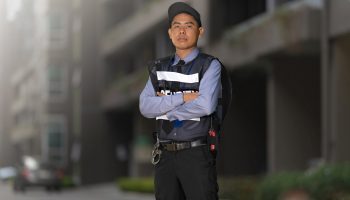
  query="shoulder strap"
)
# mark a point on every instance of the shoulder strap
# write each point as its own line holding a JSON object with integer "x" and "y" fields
{"x": 224, "y": 101}
{"x": 226, "y": 91}
{"x": 207, "y": 61}
{"x": 155, "y": 66}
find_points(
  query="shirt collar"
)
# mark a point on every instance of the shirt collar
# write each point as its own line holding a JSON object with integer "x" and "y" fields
{"x": 188, "y": 58}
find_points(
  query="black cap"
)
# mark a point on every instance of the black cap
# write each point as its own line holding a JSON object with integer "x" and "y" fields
{"x": 181, "y": 7}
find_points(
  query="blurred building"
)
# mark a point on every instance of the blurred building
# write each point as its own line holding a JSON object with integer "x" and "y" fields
{"x": 74, "y": 70}
{"x": 6, "y": 150}
{"x": 300, "y": 47}
{"x": 336, "y": 78}
{"x": 288, "y": 63}
{"x": 94, "y": 149}
{"x": 36, "y": 82}
{"x": 55, "y": 80}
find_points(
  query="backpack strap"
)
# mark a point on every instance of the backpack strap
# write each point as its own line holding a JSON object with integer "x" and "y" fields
{"x": 155, "y": 66}
{"x": 226, "y": 92}
{"x": 224, "y": 101}
{"x": 207, "y": 62}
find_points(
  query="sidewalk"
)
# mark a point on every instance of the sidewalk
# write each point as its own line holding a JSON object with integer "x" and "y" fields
{"x": 107, "y": 191}
{"x": 110, "y": 190}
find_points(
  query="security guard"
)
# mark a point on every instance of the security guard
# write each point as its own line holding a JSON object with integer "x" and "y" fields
{"x": 182, "y": 94}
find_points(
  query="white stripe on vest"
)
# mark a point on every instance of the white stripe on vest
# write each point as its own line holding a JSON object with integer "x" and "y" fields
{"x": 175, "y": 76}
{"x": 164, "y": 117}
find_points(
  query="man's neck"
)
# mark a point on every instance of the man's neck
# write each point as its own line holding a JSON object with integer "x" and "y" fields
{"x": 183, "y": 53}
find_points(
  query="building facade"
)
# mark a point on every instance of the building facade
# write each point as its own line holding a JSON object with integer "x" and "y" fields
{"x": 289, "y": 79}
{"x": 77, "y": 69}
{"x": 54, "y": 85}
{"x": 6, "y": 150}
{"x": 36, "y": 82}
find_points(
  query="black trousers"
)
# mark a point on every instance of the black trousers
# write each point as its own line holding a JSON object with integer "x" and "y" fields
{"x": 188, "y": 174}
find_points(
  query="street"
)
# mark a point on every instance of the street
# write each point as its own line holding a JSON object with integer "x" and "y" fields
{"x": 96, "y": 192}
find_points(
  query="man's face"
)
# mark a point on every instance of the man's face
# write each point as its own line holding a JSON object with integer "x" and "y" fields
{"x": 184, "y": 31}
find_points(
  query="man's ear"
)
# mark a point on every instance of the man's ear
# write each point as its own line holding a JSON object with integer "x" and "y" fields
{"x": 169, "y": 32}
{"x": 201, "y": 31}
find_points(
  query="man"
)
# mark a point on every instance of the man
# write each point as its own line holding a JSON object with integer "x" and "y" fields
{"x": 182, "y": 94}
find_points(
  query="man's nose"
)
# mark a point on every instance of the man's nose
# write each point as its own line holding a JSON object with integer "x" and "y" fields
{"x": 182, "y": 30}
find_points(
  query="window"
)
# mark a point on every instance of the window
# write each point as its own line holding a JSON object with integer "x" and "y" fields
{"x": 55, "y": 140}
{"x": 227, "y": 13}
{"x": 57, "y": 30}
{"x": 55, "y": 136}
{"x": 57, "y": 83}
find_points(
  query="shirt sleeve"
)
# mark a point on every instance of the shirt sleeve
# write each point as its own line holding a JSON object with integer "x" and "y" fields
{"x": 152, "y": 106}
{"x": 207, "y": 99}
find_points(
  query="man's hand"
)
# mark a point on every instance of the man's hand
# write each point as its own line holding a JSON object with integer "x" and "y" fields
{"x": 160, "y": 94}
{"x": 186, "y": 96}
{"x": 190, "y": 96}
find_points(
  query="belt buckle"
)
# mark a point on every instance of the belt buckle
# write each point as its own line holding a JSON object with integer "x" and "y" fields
{"x": 171, "y": 147}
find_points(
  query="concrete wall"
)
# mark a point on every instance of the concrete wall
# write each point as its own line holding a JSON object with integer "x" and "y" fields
{"x": 2, "y": 64}
{"x": 243, "y": 147}
{"x": 6, "y": 52}
{"x": 341, "y": 98}
{"x": 4, "y": 84}
{"x": 142, "y": 145}
{"x": 294, "y": 136}
{"x": 98, "y": 159}
{"x": 339, "y": 10}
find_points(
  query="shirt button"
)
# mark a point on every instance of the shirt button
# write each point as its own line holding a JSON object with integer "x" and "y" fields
{"x": 175, "y": 134}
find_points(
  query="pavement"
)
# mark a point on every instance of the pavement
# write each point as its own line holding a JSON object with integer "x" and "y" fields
{"x": 107, "y": 191}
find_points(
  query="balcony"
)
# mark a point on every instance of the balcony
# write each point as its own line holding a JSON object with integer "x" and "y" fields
{"x": 134, "y": 27}
{"x": 293, "y": 28}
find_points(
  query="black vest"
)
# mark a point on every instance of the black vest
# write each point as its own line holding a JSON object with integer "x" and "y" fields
{"x": 195, "y": 69}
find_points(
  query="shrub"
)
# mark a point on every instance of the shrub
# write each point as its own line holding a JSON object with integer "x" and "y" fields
{"x": 237, "y": 188}
{"x": 240, "y": 188}
{"x": 329, "y": 182}
{"x": 145, "y": 185}
{"x": 67, "y": 182}
{"x": 273, "y": 187}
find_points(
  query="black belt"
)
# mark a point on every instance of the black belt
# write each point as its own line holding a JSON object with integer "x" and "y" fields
{"x": 177, "y": 146}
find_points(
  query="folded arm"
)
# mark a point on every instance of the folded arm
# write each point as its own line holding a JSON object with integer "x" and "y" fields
{"x": 206, "y": 101}
{"x": 152, "y": 106}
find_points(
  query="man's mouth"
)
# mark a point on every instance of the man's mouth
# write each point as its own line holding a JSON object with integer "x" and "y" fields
{"x": 181, "y": 39}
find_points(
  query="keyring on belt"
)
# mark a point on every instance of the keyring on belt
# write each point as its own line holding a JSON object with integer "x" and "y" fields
{"x": 156, "y": 152}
